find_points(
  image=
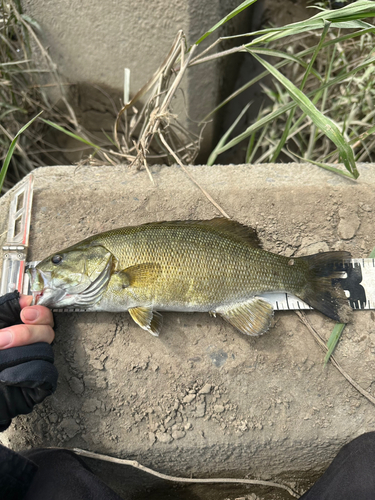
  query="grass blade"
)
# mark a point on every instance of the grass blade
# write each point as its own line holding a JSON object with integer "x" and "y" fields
{"x": 322, "y": 122}
{"x": 221, "y": 143}
{"x": 333, "y": 340}
{"x": 12, "y": 146}
{"x": 285, "y": 135}
{"x": 67, "y": 132}
{"x": 325, "y": 166}
{"x": 301, "y": 54}
{"x": 225, "y": 19}
{"x": 349, "y": 16}
{"x": 283, "y": 109}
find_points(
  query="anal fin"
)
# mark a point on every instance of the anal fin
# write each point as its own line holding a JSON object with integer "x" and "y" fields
{"x": 252, "y": 317}
{"x": 147, "y": 319}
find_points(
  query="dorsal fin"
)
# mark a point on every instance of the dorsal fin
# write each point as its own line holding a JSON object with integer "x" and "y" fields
{"x": 234, "y": 228}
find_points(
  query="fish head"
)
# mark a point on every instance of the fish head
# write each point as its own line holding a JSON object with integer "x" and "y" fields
{"x": 75, "y": 277}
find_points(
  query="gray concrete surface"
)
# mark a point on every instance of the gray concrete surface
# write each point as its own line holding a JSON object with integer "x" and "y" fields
{"x": 203, "y": 399}
{"x": 91, "y": 42}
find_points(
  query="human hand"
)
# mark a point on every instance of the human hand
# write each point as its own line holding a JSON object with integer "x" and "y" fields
{"x": 22, "y": 324}
{"x": 27, "y": 374}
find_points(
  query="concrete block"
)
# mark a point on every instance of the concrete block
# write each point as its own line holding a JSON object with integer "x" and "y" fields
{"x": 203, "y": 399}
{"x": 109, "y": 36}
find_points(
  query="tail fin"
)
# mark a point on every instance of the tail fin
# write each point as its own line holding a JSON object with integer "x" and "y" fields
{"x": 322, "y": 290}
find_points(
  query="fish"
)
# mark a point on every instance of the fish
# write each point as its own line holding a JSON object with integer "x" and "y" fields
{"x": 216, "y": 266}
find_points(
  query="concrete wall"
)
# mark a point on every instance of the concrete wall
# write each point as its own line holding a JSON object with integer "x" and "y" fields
{"x": 92, "y": 41}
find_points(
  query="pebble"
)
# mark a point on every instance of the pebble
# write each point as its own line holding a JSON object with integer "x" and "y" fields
{"x": 206, "y": 389}
{"x": 70, "y": 427}
{"x": 76, "y": 385}
{"x": 178, "y": 434}
{"x": 90, "y": 405}
{"x": 348, "y": 225}
{"x": 365, "y": 207}
{"x": 53, "y": 418}
{"x": 164, "y": 437}
{"x": 310, "y": 247}
{"x": 189, "y": 398}
{"x": 200, "y": 410}
{"x": 219, "y": 409}
{"x": 169, "y": 422}
{"x": 97, "y": 364}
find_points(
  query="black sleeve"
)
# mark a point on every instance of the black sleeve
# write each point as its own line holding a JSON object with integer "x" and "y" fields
{"x": 10, "y": 310}
{"x": 27, "y": 373}
{"x": 16, "y": 474}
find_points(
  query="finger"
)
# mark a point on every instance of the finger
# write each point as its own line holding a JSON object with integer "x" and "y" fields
{"x": 25, "y": 300}
{"x": 37, "y": 315}
{"x": 19, "y": 335}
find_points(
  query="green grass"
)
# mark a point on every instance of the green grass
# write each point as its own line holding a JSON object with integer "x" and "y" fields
{"x": 13, "y": 144}
{"x": 319, "y": 109}
{"x": 23, "y": 95}
{"x": 322, "y": 99}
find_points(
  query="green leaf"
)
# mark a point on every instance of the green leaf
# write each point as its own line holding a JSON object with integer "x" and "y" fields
{"x": 333, "y": 340}
{"x": 322, "y": 122}
{"x": 285, "y": 135}
{"x": 12, "y": 146}
{"x": 67, "y": 132}
{"x": 326, "y": 166}
{"x": 347, "y": 17}
{"x": 225, "y": 19}
{"x": 284, "y": 62}
{"x": 32, "y": 22}
{"x": 222, "y": 141}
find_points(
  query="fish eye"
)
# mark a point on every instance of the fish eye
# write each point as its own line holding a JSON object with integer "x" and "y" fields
{"x": 56, "y": 259}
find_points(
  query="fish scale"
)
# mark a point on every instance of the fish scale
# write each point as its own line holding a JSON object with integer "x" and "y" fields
{"x": 214, "y": 268}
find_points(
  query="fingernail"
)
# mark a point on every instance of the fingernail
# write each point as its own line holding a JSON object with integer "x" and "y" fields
{"x": 29, "y": 314}
{"x": 6, "y": 337}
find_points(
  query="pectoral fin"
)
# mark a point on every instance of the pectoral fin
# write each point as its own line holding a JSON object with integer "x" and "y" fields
{"x": 147, "y": 319}
{"x": 251, "y": 318}
{"x": 140, "y": 275}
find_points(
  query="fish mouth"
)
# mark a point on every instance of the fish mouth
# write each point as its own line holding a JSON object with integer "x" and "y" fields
{"x": 45, "y": 294}
{"x": 36, "y": 297}
{"x": 50, "y": 297}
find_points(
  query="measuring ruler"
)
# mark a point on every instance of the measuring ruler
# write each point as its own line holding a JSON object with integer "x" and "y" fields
{"x": 358, "y": 282}
{"x": 15, "y": 249}
{"x": 357, "y": 275}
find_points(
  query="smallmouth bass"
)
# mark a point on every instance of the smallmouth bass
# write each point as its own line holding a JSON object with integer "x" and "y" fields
{"x": 215, "y": 266}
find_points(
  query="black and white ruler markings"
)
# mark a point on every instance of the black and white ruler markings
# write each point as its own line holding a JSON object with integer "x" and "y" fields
{"x": 357, "y": 279}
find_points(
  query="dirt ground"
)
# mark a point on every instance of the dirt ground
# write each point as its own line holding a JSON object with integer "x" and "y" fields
{"x": 202, "y": 399}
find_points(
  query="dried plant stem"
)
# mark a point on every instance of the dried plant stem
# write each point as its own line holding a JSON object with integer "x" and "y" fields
{"x": 178, "y": 161}
{"x": 141, "y": 136}
{"x": 322, "y": 345}
{"x": 149, "y": 84}
{"x": 137, "y": 465}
